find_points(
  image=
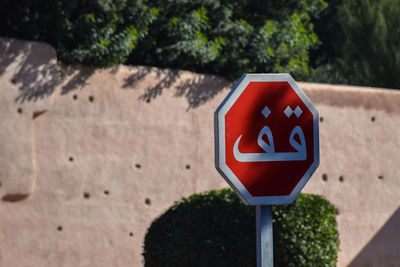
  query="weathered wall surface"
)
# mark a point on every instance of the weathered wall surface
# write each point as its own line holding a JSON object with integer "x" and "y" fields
{"x": 89, "y": 158}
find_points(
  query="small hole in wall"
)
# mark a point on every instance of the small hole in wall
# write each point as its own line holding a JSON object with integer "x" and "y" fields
{"x": 106, "y": 192}
{"x": 14, "y": 197}
{"x": 130, "y": 234}
{"x": 59, "y": 228}
{"x": 138, "y": 166}
{"x": 325, "y": 177}
{"x": 38, "y": 113}
{"x": 380, "y": 177}
{"x": 148, "y": 101}
{"x": 75, "y": 97}
{"x": 71, "y": 159}
{"x": 372, "y": 118}
{"x": 91, "y": 98}
{"x": 147, "y": 201}
{"x": 86, "y": 195}
{"x": 187, "y": 167}
{"x": 321, "y": 119}
{"x": 13, "y": 81}
{"x": 341, "y": 178}
{"x": 19, "y": 110}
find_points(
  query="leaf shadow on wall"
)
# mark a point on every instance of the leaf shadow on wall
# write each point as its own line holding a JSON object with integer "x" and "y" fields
{"x": 197, "y": 89}
{"x": 37, "y": 73}
{"x": 383, "y": 249}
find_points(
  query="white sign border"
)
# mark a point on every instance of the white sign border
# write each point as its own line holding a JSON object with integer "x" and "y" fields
{"x": 219, "y": 135}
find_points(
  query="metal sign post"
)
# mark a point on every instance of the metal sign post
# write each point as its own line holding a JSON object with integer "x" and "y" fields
{"x": 266, "y": 146}
{"x": 264, "y": 236}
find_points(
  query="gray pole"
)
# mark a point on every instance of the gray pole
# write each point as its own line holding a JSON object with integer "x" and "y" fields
{"x": 264, "y": 240}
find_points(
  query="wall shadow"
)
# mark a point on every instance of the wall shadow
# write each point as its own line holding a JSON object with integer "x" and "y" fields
{"x": 384, "y": 248}
{"x": 79, "y": 79}
{"x": 197, "y": 89}
{"x": 36, "y": 73}
{"x": 166, "y": 78}
{"x": 201, "y": 89}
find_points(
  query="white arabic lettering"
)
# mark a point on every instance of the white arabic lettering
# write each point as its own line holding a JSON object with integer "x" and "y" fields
{"x": 270, "y": 154}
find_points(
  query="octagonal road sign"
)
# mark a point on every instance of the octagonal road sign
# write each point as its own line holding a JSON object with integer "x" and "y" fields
{"x": 266, "y": 139}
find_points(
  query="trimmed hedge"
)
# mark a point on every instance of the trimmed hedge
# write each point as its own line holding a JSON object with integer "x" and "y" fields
{"x": 217, "y": 229}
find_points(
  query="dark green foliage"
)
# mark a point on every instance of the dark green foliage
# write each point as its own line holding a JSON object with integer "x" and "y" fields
{"x": 327, "y": 27}
{"x": 306, "y": 232}
{"x": 90, "y": 32}
{"x": 231, "y": 37}
{"x": 324, "y": 59}
{"x": 213, "y": 36}
{"x": 360, "y": 43}
{"x": 216, "y": 229}
{"x": 371, "y": 50}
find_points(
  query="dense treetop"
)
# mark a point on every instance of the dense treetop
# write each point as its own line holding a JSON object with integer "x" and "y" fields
{"x": 336, "y": 41}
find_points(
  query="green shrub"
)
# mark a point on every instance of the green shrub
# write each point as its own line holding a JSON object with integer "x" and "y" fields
{"x": 231, "y": 37}
{"x": 216, "y": 229}
{"x": 89, "y": 32}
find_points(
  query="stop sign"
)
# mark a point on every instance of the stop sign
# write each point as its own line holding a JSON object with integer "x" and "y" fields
{"x": 266, "y": 139}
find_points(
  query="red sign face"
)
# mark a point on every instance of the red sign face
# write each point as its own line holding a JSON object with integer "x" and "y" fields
{"x": 267, "y": 139}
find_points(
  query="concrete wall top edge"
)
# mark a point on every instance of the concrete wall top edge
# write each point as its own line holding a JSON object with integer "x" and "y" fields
{"x": 368, "y": 98}
{"x": 343, "y": 96}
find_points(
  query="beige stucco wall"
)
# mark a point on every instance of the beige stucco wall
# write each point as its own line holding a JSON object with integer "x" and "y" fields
{"x": 89, "y": 158}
